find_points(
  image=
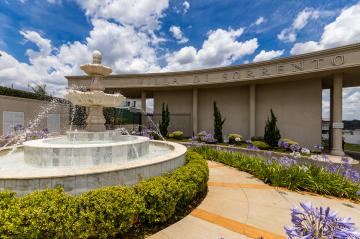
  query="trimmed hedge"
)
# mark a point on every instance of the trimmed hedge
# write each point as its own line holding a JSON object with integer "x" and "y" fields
{"x": 261, "y": 145}
{"x": 26, "y": 94}
{"x": 110, "y": 212}
{"x": 310, "y": 178}
{"x": 176, "y": 135}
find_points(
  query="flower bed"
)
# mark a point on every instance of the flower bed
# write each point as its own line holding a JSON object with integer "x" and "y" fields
{"x": 333, "y": 180}
{"x": 110, "y": 212}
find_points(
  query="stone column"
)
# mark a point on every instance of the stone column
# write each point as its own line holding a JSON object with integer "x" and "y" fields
{"x": 195, "y": 111}
{"x": 252, "y": 102}
{"x": 336, "y": 116}
{"x": 143, "y": 108}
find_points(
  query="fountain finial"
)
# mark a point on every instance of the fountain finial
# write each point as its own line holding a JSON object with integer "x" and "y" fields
{"x": 97, "y": 57}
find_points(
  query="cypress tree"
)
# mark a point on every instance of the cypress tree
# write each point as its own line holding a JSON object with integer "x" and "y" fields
{"x": 165, "y": 120}
{"x": 218, "y": 124}
{"x": 272, "y": 132}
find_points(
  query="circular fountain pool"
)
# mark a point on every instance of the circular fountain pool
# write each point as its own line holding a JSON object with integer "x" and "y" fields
{"x": 82, "y": 161}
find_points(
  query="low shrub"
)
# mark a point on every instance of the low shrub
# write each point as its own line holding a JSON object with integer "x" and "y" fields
{"x": 260, "y": 145}
{"x": 257, "y": 138}
{"x": 110, "y": 212}
{"x": 154, "y": 135}
{"x": 285, "y": 173}
{"x": 176, "y": 135}
{"x": 235, "y": 139}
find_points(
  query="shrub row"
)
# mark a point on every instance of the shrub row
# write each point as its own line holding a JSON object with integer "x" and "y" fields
{"x": 309, "y": 178}
{"x": 26, "y": 94}
{"x": 103, "y": 213}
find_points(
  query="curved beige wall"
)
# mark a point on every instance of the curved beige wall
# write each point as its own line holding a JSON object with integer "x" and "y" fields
{"x": 233, "y": 103}
{"x": 296, "y": 104}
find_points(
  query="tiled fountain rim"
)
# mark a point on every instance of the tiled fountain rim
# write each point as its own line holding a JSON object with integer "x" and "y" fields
{"x": 177, "y": 150}
{"x": 46, "y": 143}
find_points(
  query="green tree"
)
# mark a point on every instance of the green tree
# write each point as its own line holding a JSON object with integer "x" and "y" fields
{"x": 218, "y": 124}
{"x": 165, "y": 120}
{"x": 39, "y": 89}
{"x": 272, "y": 132}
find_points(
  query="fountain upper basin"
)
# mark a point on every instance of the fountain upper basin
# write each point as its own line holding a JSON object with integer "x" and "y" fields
{"x": 96, "y": 69}
{"x": 94, "y": 98}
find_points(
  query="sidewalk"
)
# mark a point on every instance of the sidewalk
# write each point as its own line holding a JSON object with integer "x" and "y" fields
{"x": 241, "y": 206}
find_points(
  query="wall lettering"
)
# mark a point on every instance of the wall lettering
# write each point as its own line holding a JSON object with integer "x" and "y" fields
{"x": 337, "y": 60}
{"x": 280, "y": 69}
{"x": 317, "y": 63}
{"x": 196, "y": 79}
{"x": 299, "y": 66}
{"x": 225, "y": 76}
{"x": 236, "y": 75}
{"x": 250, "y": 74}
{"x": 264, "y": 71}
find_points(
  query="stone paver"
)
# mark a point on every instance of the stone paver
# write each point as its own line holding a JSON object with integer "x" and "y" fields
{"x": 241, "y": 206}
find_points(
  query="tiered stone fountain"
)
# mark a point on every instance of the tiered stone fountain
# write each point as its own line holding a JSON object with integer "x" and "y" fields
{"x": 94, "y": 158}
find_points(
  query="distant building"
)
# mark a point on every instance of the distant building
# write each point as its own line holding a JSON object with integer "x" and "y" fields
{"x": 134, "y": 105}
{"x": 292, "y": 87}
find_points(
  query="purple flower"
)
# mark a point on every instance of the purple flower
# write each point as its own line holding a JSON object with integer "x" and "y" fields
{"x": 252, "y": 147}
{"x": 312, "y": 222}
{"x": 295, "y": 147}
{"x": 285, "y": 161}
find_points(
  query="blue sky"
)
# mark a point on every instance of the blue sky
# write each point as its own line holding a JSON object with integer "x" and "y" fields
{"x": 43, "y": 40}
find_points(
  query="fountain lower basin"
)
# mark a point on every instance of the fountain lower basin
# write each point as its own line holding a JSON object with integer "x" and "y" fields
{"x": 85, "y": 149}
{"x": 23, "y": 173}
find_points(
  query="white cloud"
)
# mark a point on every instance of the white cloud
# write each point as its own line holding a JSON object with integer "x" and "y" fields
{"x": 221, "y": 48}
{"x": 54, "y": 1}
{"x": 259, "y": 20}
{"x": 303, "y": 17}
{"x": 351, "y": 103}
{"x": 178, "y": 34}
{"x": 126, "y": 50}
{"x": 267, "y": 55}
{"x": 139, "y": 13}
{"x": 186, "y": 6}
{"x": 301, "y": 20}
{"x": 342, "y": 31}
{"x": 43, "y": 44}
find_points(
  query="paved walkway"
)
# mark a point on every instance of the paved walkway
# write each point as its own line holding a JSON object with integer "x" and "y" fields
{"x": 241, "y": 206}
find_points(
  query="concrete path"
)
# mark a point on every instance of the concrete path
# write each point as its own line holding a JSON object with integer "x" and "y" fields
{"x": 241, "y": 206}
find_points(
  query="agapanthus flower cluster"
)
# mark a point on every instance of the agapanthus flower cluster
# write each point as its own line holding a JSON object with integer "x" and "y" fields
{"x": 252, "y": 147}
{"x": 206, "y": 137}
{"x": 283, "y": 161}
{"x": 283, "y": 144}
{"x": 315, "y": 223}
{"x": 319, "y": 147}
{"x": 344, "y": 169}
{"x": 295, "y": 148}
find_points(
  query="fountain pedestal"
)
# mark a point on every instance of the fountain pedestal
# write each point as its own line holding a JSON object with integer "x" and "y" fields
{"x": 95, "y": 121}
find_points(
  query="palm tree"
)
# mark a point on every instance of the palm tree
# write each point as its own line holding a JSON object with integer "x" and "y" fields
{"x": 39, "y": 89}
